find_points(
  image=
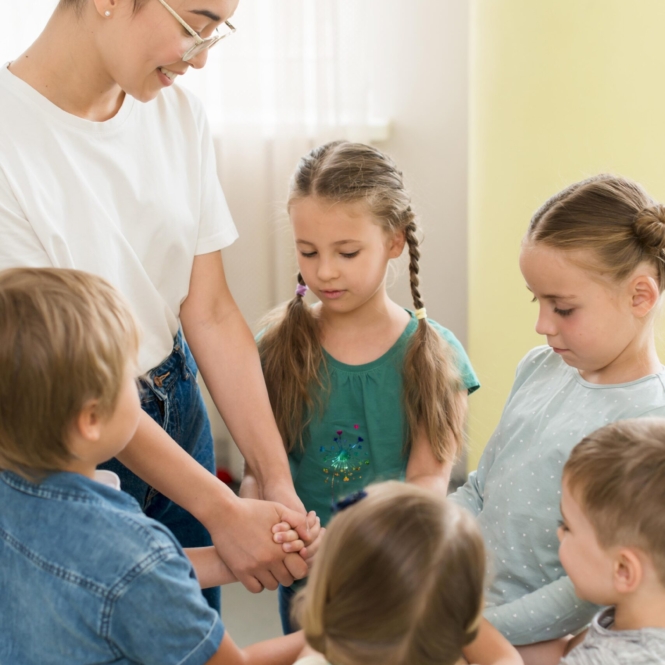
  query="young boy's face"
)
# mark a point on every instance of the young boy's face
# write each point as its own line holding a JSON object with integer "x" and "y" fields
{"x": 589, "y": 566}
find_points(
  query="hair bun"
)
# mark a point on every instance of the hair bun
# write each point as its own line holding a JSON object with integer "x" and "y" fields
{"x": 649, "y": 227}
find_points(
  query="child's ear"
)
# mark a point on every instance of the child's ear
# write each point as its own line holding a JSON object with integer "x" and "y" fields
{"x": 628, "y": 571}
{"x": 88, "y": 423}
{"x": 644, "y": 293}
{"x": 396, "y": 246}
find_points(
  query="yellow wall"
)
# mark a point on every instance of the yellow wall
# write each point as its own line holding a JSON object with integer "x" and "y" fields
{"x": 560, "y": 90}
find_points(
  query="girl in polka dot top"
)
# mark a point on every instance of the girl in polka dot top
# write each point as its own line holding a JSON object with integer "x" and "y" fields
{"x": 594, "y": 259}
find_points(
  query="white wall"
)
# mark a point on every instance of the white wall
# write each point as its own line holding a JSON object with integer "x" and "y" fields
{"x": 420, "y": 78}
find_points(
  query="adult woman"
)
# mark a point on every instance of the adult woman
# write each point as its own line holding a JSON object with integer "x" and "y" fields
{"x": 92, "y": 179}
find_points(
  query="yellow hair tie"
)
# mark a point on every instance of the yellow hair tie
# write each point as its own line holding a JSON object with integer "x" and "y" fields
{"x": 421, "y": 313}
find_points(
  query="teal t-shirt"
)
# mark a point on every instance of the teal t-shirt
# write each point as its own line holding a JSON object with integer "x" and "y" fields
{"x": 359, "y": 438}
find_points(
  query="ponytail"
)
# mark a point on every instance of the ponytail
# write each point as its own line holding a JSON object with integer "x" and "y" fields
{"x": 292, "y": 358}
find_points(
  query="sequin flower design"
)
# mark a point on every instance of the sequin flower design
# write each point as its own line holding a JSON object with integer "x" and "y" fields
{"x": 345, "y": 461}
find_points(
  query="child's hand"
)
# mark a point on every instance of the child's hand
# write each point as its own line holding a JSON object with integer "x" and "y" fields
{"x": 312, "y": 548}
{"x": 291, "y": 541}
{"x": 287, "y": 537}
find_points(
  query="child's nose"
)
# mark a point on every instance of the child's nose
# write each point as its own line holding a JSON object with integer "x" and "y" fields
{"x": 327, "y": 270}
{"x": 544, "y": 323}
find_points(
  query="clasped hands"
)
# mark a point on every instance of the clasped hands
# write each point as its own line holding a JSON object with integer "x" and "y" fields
{"x": 265, "y": 544}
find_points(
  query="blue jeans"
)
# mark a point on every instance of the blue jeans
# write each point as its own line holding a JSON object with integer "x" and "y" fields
{"x": 171, "y": 397}
{"x": 285, "y": 597}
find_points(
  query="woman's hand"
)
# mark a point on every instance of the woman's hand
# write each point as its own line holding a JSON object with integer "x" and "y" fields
{"x": 243, "y": 538}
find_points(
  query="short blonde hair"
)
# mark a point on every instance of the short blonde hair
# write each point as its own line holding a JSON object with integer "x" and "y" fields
{"x": 65, "y": 337}
{"x": 398, "y": 581}
{"x": 617, "y": 474}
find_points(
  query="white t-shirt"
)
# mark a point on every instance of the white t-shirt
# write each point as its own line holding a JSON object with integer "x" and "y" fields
{"x": 132, "y": 199}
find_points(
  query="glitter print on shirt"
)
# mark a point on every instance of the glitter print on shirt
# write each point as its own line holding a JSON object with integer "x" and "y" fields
{"x": 345, "y": 461}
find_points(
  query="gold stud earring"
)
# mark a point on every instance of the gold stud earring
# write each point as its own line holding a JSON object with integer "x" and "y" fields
{"x": 107, "y": 13}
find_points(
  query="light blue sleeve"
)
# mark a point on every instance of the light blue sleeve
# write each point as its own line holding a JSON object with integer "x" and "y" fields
{"x": 160, "y": 616}
{"x": 471, "y": 494}
{"x": 551, "y": 612}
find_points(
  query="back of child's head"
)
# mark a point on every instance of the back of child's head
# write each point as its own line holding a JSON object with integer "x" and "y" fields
{"x": 617, "y": 476}
{"x": 348, "y": 173}
{"x": 398, "y": 581}
{"x": 65, "y": 337}
{"x": 613, "y": 218}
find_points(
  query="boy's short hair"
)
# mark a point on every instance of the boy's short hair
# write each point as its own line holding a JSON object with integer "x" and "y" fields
{"x": 617, "y": 474}
{"x": 65, "y": 337}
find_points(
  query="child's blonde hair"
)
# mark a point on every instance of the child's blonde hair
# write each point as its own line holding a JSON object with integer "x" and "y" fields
{"x": 291, "y": 354}
{"x": 398, "y": 581}
{"x": 65, "y": 337}
{"x": 611, "y": 216}
{"x": 617, "y": 474}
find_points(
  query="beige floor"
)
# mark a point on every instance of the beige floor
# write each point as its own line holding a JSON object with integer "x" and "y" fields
{"x": 250, "y": 617}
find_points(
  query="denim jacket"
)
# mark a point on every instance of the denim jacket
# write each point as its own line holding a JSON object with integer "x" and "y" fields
{"x": 86, "y": 577}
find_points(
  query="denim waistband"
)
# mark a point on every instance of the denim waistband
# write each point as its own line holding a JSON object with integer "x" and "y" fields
{"x": 172, "y": 369}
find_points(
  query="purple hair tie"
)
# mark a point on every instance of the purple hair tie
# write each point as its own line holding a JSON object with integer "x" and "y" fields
{"x": 301, "y": 290}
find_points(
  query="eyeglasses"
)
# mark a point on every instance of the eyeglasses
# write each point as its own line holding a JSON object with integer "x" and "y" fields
{"x": 200, "y": 44}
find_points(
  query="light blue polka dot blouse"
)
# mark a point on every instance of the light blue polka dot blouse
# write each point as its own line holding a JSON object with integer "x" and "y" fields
{"x": 515, "y": 492}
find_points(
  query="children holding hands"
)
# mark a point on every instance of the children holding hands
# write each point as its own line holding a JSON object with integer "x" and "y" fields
{"x": 114, "y": 585}
{"x": 362, "y": 390}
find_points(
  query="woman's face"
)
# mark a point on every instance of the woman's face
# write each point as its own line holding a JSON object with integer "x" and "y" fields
{"x": 142, "y": 50}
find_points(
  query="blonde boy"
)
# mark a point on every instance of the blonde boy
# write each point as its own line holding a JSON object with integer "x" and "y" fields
{"x": 613, "y": 540}
{"x": 85, "y": 576}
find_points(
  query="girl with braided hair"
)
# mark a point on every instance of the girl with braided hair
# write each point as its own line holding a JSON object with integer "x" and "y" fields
{"x": 361, "y": 389}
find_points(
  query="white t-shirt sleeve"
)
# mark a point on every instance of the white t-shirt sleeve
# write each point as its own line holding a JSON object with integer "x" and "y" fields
{"x": 216, "y": 227}
{"x": 19, "y": 244}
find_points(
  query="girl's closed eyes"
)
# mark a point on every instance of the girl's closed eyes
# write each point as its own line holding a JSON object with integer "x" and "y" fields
{"x": 560, "y": 312}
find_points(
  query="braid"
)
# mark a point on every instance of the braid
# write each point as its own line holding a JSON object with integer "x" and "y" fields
{"x": 431, "y": 377}
{"x": 414, "y": 257}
